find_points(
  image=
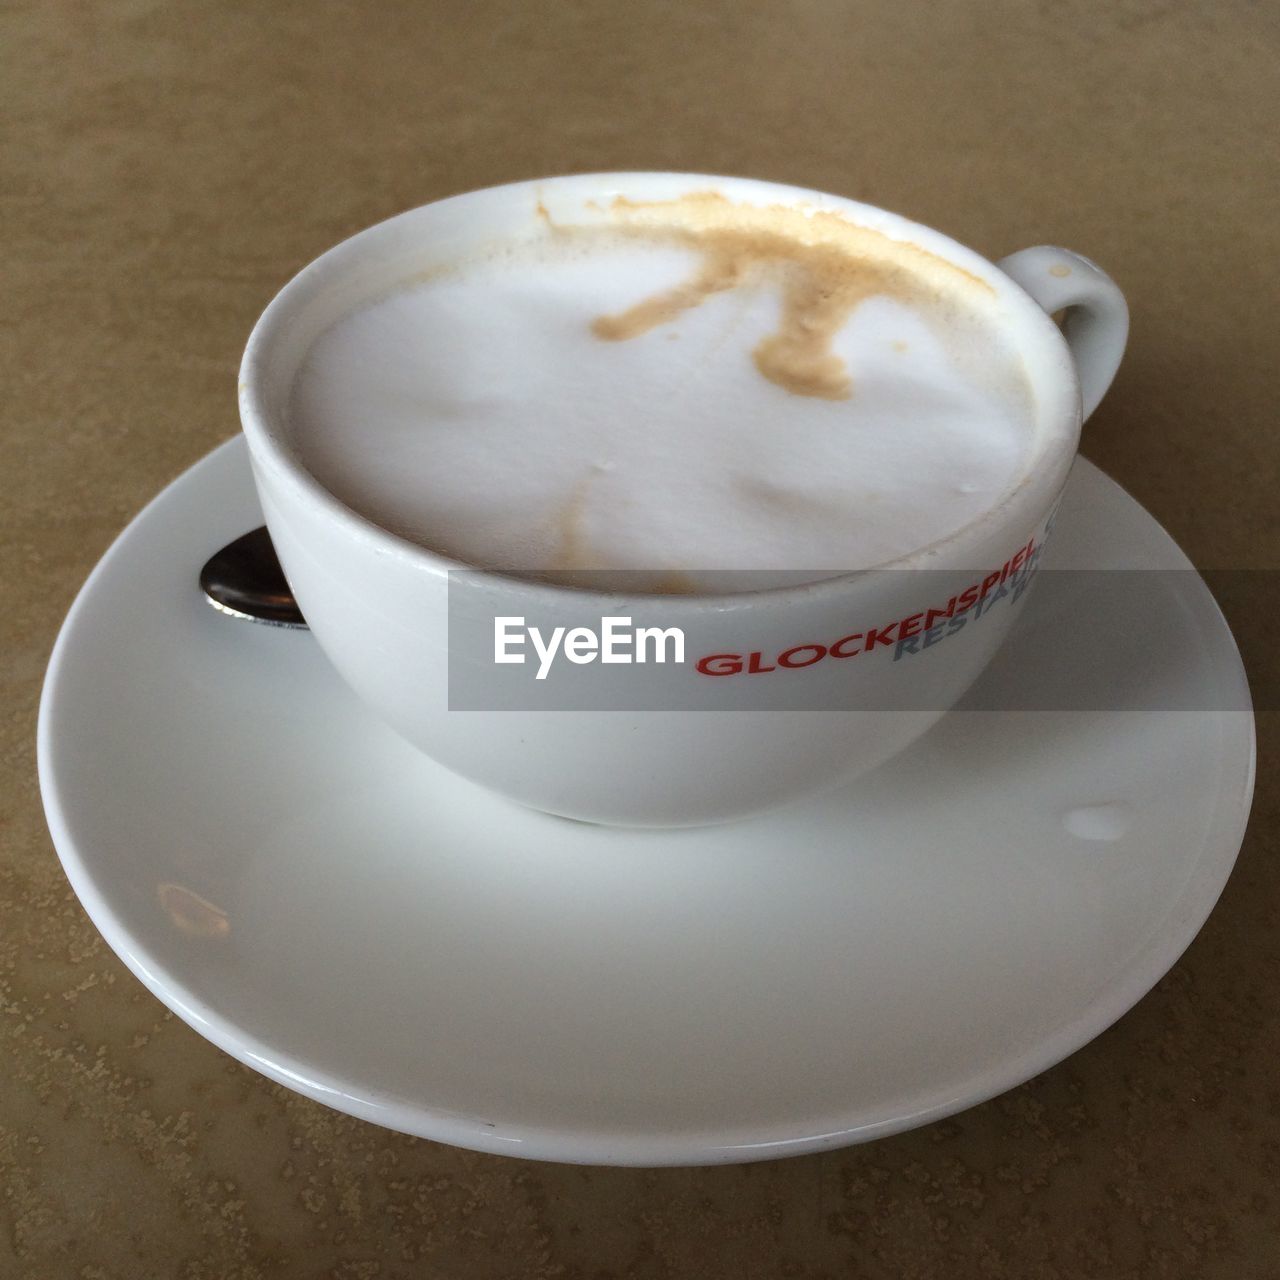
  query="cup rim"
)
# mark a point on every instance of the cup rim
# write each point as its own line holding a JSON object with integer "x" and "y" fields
{"x": 270, "y": 448}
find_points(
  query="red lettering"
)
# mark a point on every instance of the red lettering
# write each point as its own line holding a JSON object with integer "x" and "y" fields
{"x": 788, "y": 659}
{"x": 841, "y": 647}
{"x": 880, "y": 635}
{"x": 932, "y": 615}
{"x": 805, "y": 655}
{"x": 720, "y": 664}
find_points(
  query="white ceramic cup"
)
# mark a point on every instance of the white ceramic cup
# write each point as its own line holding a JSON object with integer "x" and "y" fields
{"x": 784, "y": 690}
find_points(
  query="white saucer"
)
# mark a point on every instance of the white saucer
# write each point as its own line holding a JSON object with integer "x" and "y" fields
{"x": 349, "y": 919}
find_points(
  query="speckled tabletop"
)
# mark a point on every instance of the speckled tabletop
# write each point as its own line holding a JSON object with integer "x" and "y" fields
{"x": 166, "y": 167}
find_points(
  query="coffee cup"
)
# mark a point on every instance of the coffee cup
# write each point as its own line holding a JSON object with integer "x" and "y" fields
{"x": 786, "y": 678}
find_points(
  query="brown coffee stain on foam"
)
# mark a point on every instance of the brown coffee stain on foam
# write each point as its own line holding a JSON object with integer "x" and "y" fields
{"x": 568, "y": 521}
{"x": 719, "y": 271}
{"x": 574, "y": 556}
{"x": 671, "y": 583}
{"x": 825, "y": 267}
{"x": 799, "y": 357}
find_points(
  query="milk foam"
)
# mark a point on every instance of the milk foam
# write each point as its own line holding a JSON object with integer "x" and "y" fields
{"x": 481, "y": 413}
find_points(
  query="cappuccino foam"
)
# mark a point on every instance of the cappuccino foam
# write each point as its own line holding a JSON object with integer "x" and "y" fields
{"x": 681, "y": 391}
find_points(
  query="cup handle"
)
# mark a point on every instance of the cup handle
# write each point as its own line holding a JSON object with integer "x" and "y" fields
{"x": 1096, "y": 323}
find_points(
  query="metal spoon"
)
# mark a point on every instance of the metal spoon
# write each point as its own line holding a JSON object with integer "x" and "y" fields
{"x": 244, "y": 580}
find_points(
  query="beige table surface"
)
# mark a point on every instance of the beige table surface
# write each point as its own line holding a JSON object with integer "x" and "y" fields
{"x": 165, "y": 167}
